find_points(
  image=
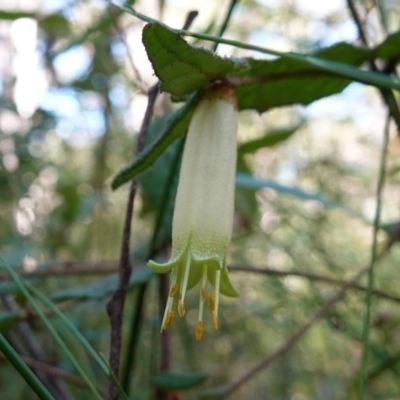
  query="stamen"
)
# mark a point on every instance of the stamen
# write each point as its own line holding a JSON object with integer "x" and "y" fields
{"x": 215, "y": 320}
{"x": 217, "y": 283}
{"x": 173, "y": 290}
{"x": 211, "y": 303}
{"x": 202, "y": 292}
{"x": 169, "y": 319}
{"x": 199, "y": 330}
{"x": 185, "y": 279}
{"x": 213, "y": 300}
{"x": 181, "y": 306}
{"x": 203, "y": 284}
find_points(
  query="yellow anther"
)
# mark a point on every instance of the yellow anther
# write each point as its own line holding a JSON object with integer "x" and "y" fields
{"x": 173, "y": 290}
{"x": 215, "y": 320}
{"x": 168, "y": 320}
{"x": 181, "y": 308}
{"x": 199, "y": 330}
{"x": 203, "y": 294}
{"x": 211, "y": 303}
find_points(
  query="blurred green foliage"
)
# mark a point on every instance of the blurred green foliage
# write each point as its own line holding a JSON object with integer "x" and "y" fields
{"x": 73, "y": 81}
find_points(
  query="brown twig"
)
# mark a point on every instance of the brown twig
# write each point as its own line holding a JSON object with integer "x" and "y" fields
{"x": 70, "y": 268}
{"x": 316, "y": 278}
{"x": 115, "y": 305}
{"x": 54, "y": 371}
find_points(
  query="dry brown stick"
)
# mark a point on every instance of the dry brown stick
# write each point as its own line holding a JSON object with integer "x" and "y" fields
{"x": 115, "y": 305}
{"x": 52, "y": 370}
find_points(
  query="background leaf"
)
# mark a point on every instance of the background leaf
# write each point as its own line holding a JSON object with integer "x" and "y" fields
{"x": 175, "y": 381}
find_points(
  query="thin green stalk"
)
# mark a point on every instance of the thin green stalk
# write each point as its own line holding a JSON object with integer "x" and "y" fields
{"x": 26, "y": 373}
{"x": 49, "y": 304}
{"x": 226, "y": 21}
{"x": 334, "y": 67}
{"x": 374, "y": 250}
{"x": 382, "y": 11}
{"x": 21, "y": 285}
{"x": 135, "y": 323}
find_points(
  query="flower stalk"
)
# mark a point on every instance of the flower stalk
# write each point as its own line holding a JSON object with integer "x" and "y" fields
{"x": 204, "y": 205}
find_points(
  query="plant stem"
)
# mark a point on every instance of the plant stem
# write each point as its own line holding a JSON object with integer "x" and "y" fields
{"x": 115, "y": 305}
{"x": 374, "y": 249}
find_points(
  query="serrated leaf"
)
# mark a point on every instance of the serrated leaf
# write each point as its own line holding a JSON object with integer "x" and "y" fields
{"x": 260, "y": 84}
{"x": 269, "y": 140}
{"x": 103, "y": 288}
{"x": 286, "y": 81}
{"x": 8, "y": 320}
{"x": 177, "y": 381}
{"x": 175, "y": 127}
{"x": 250, "y": 182}
{"x": 182, "y": 68}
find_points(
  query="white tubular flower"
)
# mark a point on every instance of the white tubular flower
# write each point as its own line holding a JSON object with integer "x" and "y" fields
{"x": 203, "y": 215}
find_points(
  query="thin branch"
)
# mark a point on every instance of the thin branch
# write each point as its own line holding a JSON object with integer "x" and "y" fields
{"x": 387, "y": 94}
{"x": 54, "y": 371}
{"x": 374, "y": 250}
{"x": 115, "y": 305}
{"x": 314, "y": 277}
{"x": 71, "y": 268}
{"x": 292, "y": 341}
{"x": 225, "y": 23}
{"x": 121, "y": 35}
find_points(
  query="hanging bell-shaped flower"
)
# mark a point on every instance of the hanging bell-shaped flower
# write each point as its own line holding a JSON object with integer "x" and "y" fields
{"x": 203, "y": 216}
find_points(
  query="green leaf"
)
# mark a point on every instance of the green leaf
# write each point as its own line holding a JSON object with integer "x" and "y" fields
{"x": 7, "y": 288}
{"x": 8, "y": 320}
{"x": 13, "y": 15}
{"x": 152, "y": 181}
{"x": 287, "y": 81}
{"x": 103, "y": 288}
{"x": 176, "y": 126}
{"x": 175, "y": 381}
{"x": 101, "y": 26}
{"x": 214, "y": 392}
{"x": 269, "y": 140}
{"x": 55, "y": 24}
{"x": 29, "y": 377}
{"x": 390, "y": 48}
{"x": 180, "y": 67}
{"x": 290, "y": 79}
{"x": 250, "y": 182}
